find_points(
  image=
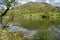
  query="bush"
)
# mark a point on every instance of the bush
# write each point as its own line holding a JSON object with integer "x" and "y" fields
{"x": 43, "y": 35}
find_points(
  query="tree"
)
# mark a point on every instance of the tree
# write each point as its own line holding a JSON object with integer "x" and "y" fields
{"x": 8, "y": 3}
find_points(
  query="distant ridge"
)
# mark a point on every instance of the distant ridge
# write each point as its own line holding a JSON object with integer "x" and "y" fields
{"x": 35, "y": 7}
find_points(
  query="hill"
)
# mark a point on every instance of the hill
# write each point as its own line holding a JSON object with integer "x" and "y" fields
{"x": 34, "y": 15}
{"x": 35, "y": 7}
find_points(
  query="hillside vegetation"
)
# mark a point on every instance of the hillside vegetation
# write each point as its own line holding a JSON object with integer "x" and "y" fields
{"x": 7, "y": 35}
{"x": 34, "y": 15}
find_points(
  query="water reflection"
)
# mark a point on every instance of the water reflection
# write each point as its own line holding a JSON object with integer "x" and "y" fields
{"x": 26, "y": 32}
{"x": 55, "y": 30}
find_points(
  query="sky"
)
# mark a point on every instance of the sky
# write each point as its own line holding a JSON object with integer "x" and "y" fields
{"x": 53, "y": 2}
{"x": 41, "y": 0}
{"x": 57, "y": 0}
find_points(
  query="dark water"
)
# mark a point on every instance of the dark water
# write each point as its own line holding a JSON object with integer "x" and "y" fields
{"x": 55, "y": 30}
{"x": 26, "y": 32}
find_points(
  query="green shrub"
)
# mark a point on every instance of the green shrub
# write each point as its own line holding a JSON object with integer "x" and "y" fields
{"x": 43, "y": 35}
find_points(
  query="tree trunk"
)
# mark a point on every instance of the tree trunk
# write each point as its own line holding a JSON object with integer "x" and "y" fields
{"x": 3, "y": 15}
{"x": 4, "y": 12}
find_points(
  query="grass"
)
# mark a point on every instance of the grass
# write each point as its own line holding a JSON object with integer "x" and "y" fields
{"x": 34, "y": 21}
{"x": 7, "y": 35}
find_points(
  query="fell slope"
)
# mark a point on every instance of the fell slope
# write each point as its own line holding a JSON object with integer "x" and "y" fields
{"x": 34, "y": 15}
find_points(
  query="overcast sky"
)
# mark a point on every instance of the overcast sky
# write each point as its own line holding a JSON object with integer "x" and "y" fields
{"x": 40, "y": 0}
{"x": 54, "y": 2}
{"x": 57, "y": 0}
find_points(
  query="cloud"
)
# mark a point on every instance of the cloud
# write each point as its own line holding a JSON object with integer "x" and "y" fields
{"x": 26, "y": 1}
{"x": 23, "y": 2}
{"x": 47, "y": 1}
{"x": 57, "y": 0}
{"x": 33, "y": 0}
